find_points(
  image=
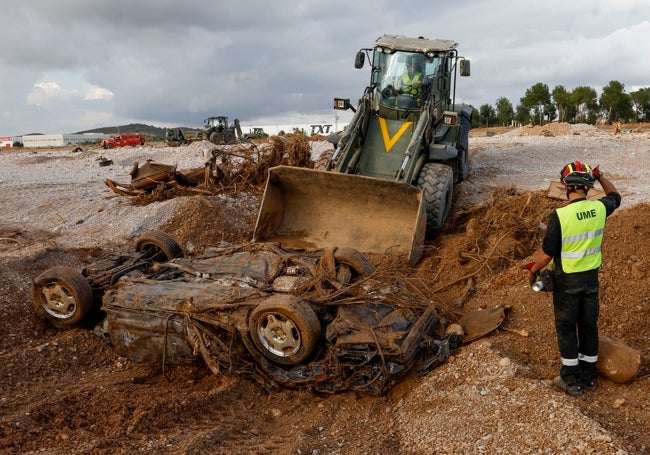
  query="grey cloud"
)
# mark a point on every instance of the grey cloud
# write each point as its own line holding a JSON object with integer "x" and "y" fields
{"x": 167, "y": 62}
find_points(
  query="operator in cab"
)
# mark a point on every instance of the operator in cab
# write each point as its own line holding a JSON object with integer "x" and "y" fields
{"x": 412, "y": 79}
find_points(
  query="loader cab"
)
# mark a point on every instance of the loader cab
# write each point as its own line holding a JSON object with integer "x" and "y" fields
{"x": 220, "y": 123}
{"x": 394, "y": 72}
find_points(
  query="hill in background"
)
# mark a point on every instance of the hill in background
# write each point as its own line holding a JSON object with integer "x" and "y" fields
{"x": 151, "y": 132}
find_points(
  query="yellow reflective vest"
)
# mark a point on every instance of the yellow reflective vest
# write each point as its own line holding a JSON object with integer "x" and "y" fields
{"x": 582, "y": 224}
{"x": 408, "y": 81}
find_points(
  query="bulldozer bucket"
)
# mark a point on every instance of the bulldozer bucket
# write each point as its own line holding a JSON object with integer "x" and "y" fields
{"x": 307, "y": 208}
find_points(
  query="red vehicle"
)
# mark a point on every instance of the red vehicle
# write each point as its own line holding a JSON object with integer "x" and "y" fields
{"x": 123, "y": 140}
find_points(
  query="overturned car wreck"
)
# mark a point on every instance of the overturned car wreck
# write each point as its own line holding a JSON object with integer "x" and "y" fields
{"x": 293, "y": 318}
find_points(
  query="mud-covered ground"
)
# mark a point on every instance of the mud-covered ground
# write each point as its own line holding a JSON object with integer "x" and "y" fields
{"x": 66, "y": 392}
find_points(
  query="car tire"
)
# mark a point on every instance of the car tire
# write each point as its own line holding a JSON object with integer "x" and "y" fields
{"x": 355, "y": 259}
{"x": 285, "y": 331}
{"x": 62, "y": 296}
{"x": 161, "y": 246}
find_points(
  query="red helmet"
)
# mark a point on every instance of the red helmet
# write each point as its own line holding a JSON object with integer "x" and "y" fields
{"x": 577, "y": 174}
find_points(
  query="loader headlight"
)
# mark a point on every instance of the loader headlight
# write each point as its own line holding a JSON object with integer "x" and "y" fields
{"x": 450, "y": 118}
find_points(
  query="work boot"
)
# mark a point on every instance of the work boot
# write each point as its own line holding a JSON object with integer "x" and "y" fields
{"x": 588, "y": 384}
{"x": 574, "y": 389}
{"x": 588, "y": 374}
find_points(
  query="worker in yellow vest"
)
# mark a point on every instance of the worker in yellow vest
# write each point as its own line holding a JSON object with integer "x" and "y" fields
{"x": 412, "y": 79}
{"x": 573, "y": 242}
{"x": 411, "y": 82}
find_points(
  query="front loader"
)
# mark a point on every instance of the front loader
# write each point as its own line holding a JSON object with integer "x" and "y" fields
{"x": 389, "y": 183}
{"x": 218, "y": 131}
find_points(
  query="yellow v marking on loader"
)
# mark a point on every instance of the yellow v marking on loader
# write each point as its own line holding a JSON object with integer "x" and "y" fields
{"x": 390, "y": 141}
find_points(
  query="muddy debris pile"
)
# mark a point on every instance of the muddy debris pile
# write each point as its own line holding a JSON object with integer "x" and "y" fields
{"x": 227, "y": 169}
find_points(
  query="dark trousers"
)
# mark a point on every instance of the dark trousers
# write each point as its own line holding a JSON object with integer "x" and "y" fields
{"x": 576, "y": 325}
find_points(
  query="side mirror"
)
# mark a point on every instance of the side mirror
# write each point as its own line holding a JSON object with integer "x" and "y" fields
{"x": 359, "y": 60}
{"x": 464, "y": 67}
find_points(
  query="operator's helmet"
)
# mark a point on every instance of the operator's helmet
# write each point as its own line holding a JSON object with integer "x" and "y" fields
{"x": 577, "y": 174}
{"x": 417, "y": 60}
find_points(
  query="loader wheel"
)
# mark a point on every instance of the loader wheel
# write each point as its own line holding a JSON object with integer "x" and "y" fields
{"x": 216, "y": 138}
{"x": 159, "y": 245}
{"x": 62, "y": 296}
{"x": 230, "y": 137}
{"x": 436, "y": 181}
{"x": 285, "y": 331}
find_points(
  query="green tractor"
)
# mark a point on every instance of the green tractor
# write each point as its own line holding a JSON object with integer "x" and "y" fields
{"x": 389, "y": 183}
{"x": 218, "y": 131}
{"x": 255, "y": 133}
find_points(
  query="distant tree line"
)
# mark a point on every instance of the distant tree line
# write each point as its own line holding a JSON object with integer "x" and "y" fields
{"x": 580, "y": 105}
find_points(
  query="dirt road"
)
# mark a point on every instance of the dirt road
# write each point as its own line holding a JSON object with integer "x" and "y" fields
{"x": 66, "y": 392}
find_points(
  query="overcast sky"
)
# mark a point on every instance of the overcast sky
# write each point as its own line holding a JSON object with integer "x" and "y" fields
{"x": 74, "y": 65}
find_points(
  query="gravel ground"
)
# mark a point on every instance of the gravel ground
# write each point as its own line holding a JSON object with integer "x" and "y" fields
{"x": 60, "y": 186}
{"x": 532, "y": 162}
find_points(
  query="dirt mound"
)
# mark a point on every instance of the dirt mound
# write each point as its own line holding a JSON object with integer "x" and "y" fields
{"x": 209, "y": 220}
{"x": 559, "y": 129}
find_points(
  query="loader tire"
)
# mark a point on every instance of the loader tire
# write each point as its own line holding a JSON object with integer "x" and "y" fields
{"x": 62, "y": 296}
{"x": 436, "y": 182}
{"x": 230, "y": 137}
{"x": 216, "y": 138}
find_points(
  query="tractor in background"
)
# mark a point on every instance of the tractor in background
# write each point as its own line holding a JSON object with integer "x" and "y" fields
{"x": 218, "y": 131}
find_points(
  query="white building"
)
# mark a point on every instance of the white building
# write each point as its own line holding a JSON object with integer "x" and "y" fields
{"x": 42, "y": 140}
{"x": 60, "y": 140}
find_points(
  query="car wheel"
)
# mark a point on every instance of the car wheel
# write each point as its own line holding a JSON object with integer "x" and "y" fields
{"x": 62, "y": 296}
{"x": 436, "y": 181}
{"x": 160, "y": 246}
{"x": 285, "y": 331}
{"x": 354, "y": 259}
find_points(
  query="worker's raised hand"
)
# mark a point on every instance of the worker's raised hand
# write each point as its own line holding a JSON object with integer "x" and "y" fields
{"x": 596, "y": 172}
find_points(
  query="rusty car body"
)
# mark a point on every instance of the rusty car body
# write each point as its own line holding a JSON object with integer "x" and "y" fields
{"x": 313, "y": 319}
